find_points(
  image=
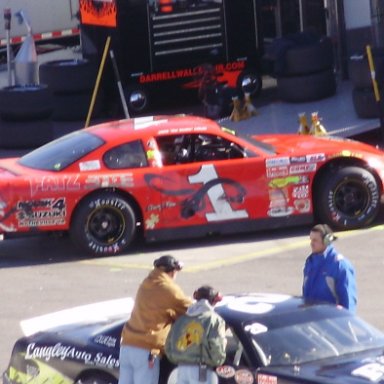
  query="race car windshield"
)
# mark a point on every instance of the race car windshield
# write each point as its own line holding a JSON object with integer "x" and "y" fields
{"x": 59, "y": 154}
{"x": 270, "y": 149}
{"x": 303, "y": 342}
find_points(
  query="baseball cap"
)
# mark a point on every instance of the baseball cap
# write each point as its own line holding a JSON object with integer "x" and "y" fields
{"x": 169, "y": 263}
{"x": 209, "y": 293}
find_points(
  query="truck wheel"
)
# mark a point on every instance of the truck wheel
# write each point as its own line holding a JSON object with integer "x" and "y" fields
{"x": 25, "y": 102}
{"x": 103, "y": 224}
{"x": 348, "y": 198}
{"x": 68, "y": 75}
{"x": 304, "y": 88}
{"x": 250, "y": 81}
{"x": 137, "y": 99}
{"x": 365, "y": 103}
{"x": 303, "y": 60}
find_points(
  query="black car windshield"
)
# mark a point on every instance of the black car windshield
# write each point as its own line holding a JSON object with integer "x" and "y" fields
{"x": 268, "y": 148}
{"x": 314, "y": 339}
{"x": 59, "y": 154}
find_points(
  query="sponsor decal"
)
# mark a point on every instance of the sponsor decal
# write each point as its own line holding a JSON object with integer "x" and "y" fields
{"x": 281, "y": 182}
{"x": 161, "y": 206}
{"x": 373, "y": 372}
{"x": 106, "y": 340}
{"x": 275, "y": 172}
{"x": 266, "y": 379}
{"x": 63, "y": 352}
{"x": 92, "y": 165}
{"x": 302, "y": 205}
{"x": 298, "y": 159}
{"x": 256, "y": 328}
{"x": 39, "y": 213}
{"x": 104, "y": 181}
{"x": 225, "y": 371}
{"x": 243, "y": 376}
{"x": 152, "y": 220}
{"x": 54, "y": 184}
{"x": 302, "y": 168}
{"x": 277, "y": 162}
{"x": 280, "y": 212}
{"x": 316, "y": 157}
{"x": 300, "y": 192}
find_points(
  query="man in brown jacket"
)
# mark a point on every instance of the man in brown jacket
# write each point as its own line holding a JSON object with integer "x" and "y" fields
{"x": 159, "y": 302}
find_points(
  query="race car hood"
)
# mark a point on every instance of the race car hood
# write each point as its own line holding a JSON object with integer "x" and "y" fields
{"x": 291, "y": 144}
{"x": 364, "y": 368}
{"x": 9, "y": 168}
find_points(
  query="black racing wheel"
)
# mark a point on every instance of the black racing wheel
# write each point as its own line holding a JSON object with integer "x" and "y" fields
{"x": 103, "y": 224}
{"x": 348, "y": 198}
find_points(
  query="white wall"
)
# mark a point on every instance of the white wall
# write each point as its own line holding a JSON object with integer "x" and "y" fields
{"x": 44, "y": 15}
{"x": 357, "y": 13}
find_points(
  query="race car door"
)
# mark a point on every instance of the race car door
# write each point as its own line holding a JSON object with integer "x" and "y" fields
{"x": 208, "y": 180}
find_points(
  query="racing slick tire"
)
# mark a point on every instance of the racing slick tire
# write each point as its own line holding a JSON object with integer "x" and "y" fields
{"x": 310, "y": 58}
{"x": 304, "y": 88}
{"x": 26, "y": 135}
{"x": 25, "y": 102}
{"x": 103, "y": 224}
{"x": 71, "y": 75}
{"x": 348, "y": 198}
{"x": 365, "y": 104}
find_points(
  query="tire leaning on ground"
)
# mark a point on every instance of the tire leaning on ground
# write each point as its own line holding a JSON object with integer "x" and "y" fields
{"x": 304, "y": 88}
{"x": 306, "y": 59}
{"x": 70, "y": 76}
{"x": 347, "y": 198}
{"x": 25, "y": 102}
{"x": 103, "y": 224}
{"x": 365, "y": 103}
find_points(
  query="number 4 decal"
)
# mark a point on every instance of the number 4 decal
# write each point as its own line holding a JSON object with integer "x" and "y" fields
{"x": 216, "y": 194}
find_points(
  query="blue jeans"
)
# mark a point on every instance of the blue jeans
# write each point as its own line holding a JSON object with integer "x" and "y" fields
{"x": 134, "y": 368}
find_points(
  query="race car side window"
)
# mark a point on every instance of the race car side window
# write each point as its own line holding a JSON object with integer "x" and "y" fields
{"x": 189, "y": 148}
{"x": 128, "y": 155}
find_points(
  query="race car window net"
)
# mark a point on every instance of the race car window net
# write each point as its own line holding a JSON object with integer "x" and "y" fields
{"x": 288, "y": 343}
{"x": 59, "y": 154}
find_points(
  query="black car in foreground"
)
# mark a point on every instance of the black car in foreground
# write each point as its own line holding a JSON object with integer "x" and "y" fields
{"x": 272, "y": 339}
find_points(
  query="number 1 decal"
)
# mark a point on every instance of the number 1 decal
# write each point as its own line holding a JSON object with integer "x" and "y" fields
{"x": 217, "y": 196}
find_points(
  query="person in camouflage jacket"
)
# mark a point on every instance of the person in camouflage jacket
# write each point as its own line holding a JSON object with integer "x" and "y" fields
{"x": 196, "y": 342}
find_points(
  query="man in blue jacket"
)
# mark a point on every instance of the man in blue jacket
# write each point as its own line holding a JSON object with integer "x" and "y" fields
{"x": 328, "y": 276}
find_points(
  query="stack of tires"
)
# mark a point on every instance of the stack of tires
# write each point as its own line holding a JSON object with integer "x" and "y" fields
{"x": 363, "y": 96}
{"x": 25, "y": 113}
{"x": 307, "y": 73}
{"x": 71, "y": 83}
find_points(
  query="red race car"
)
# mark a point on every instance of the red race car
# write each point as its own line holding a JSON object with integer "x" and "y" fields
{"x": 169, "y": 177}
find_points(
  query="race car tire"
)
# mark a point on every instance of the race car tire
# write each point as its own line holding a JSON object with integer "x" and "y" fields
{"x": 359, "y": 71}
{"x": 347, "y": 198}
{"x": 365, "y": 104}
{"x": 71, "y": 75}
{"x": 103, "y": 224}
{"x": 250, "y": 81}
{"x": 25, "y": 102}
{"x": 311, "y": 87}
{"x": 74, "y": 106}
{"x": 306, "y": 59}
{"x": 28, "y": 135}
